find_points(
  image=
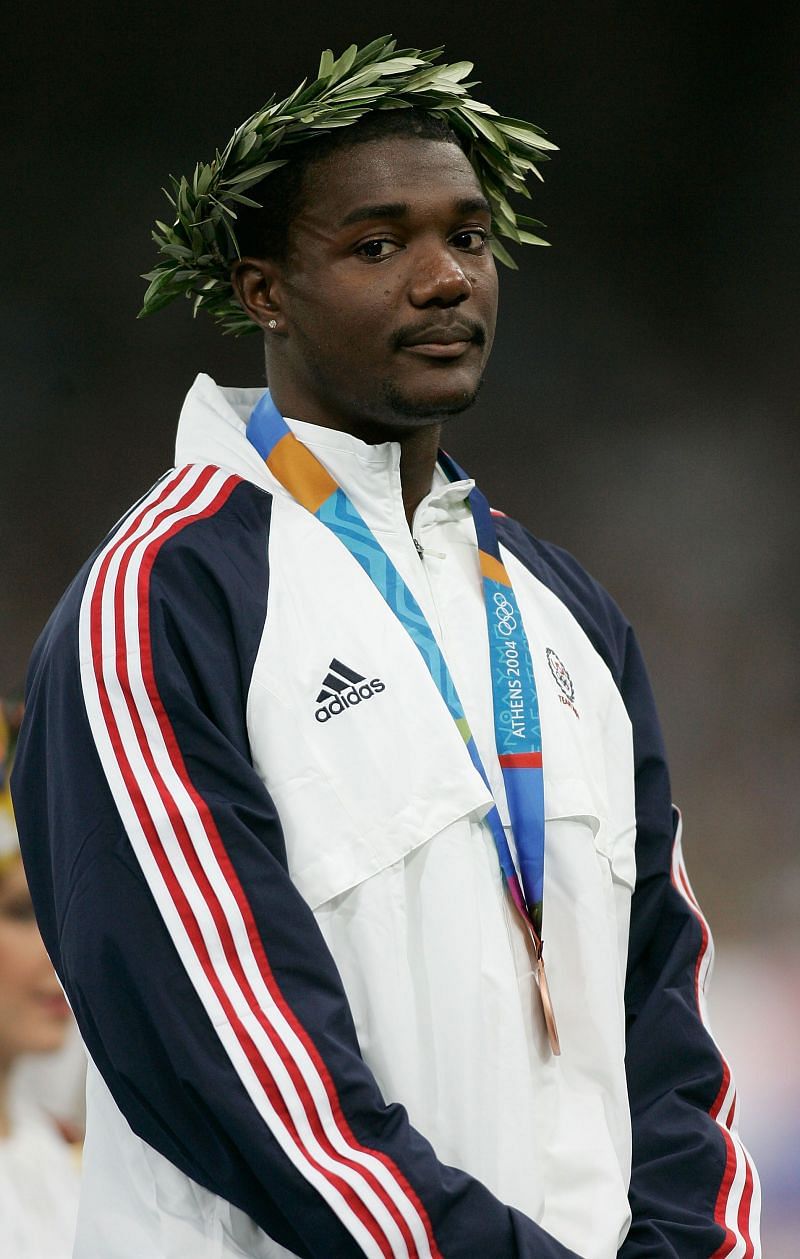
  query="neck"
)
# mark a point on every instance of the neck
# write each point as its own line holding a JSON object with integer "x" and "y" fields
{"x": 418, "y": 453}
{"x": 418, "y": 446}
{"x": 5, "y": 1121}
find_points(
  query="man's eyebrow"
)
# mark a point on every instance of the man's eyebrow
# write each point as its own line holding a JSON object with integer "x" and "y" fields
{"x": 473, "y": 205}
{"x": 389, "y": 210}
{"x": 399, "y": 210}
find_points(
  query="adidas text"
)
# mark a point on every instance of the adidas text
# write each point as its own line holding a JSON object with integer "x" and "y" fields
{"x": 349, "y": 698}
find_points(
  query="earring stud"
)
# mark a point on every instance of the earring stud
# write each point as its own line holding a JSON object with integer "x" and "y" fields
{"x": 273, "y": 323}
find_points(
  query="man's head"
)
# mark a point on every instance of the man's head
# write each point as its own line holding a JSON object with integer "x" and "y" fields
{"x": 199, "y": 246}
{"x": 371, "y": 273}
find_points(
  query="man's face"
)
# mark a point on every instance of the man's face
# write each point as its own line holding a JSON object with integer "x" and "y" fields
{"x": 388, "y": 297}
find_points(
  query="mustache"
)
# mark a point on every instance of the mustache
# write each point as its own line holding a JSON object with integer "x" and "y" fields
{"x": 461, "y": 329}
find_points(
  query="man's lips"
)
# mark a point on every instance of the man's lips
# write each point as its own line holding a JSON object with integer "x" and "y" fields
{"x": 442, "y": 341}
{"x": 440, "y": 349}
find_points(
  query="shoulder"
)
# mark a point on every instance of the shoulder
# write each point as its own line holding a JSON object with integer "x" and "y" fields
{"x": 196, "y": 541}
{"x": 584, "y": 597}
{"x": 200, "y": 529}
{"x": 192, "y": 511}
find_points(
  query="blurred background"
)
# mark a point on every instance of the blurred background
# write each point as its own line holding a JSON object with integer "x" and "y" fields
{"x": 640, "y": 408}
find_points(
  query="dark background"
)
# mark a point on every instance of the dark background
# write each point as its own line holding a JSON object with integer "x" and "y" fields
{"x": 640, "y": 407}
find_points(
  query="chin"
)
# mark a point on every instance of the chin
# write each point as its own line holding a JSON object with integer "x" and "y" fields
{"x": 430, "y": 405}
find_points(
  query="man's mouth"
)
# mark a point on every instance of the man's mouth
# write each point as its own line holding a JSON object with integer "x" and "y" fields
{"x": 451, "y": 340}
{"x": 440, "y": 349}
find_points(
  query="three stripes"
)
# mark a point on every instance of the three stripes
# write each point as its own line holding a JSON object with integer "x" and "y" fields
{"x": 738, "y": 1205}
{"x": 193, "y": 882}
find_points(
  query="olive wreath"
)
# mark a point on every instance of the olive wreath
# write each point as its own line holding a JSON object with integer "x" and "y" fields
{"x": 200, "y": 246}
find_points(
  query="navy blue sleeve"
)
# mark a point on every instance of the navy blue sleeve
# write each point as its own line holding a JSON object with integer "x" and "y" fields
{"x": 199, "y": 978}
{"x": 692, "y": 1183}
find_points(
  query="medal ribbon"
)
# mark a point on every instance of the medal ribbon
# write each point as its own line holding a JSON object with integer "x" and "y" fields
{"x": 516, "y": 709}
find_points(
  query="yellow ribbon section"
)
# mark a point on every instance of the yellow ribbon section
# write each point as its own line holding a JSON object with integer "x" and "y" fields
{"x": 493, "y": 569}
{"x": 300, "y": 472}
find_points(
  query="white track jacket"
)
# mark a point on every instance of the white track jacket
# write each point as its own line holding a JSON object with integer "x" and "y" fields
{"x": 256, "y": 844}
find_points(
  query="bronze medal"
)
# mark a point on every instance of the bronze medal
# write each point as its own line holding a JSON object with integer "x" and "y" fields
{"x": 547, "y": 1006}
{"x": 540, "y": 976}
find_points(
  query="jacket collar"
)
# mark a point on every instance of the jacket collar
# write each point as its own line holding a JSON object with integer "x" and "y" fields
{"x": 213, "y": 429}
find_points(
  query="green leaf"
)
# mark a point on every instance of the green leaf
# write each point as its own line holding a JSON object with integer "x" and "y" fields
{"x": 486, "y": 128}
{"x": 344, "y": 65}
{"x": 478, "y": 107}
{"x": 502, "y": 254}
{"x": 527, "y": 137}
{"x": 156, "y": 303}
{"x": 176, "y": 251}
{"x": 367, "y": 74}
{"x": 325, "y": 64}
{"x": 237, "y": 327}
{"x": 241, "y": 199}
{"x": 503, "y": 224}
{"x": 528, "y": 238}
{"x": 252, "y": 176}
{"x": 231, "y": 235}
{"x": 526, "y": 126}
{"x": 529, "y": 168}
{"x": 161, "y": 275}
{"x": 432, "y": 54}
{"x": 365, "y": 94}
{"x": 339, "y": 120}
{"x": 393, "y": 102}
{"x": 456, "y": 71}
{"x": 226, "y": 210}
{"x": 290, "y": 100}
{"x": 426, "y": 78}
{"x": 383, "y": 44}
{"x": 515, "y": 184}
{"x": 246, "y": 144}
{"x": 159, "y": 293}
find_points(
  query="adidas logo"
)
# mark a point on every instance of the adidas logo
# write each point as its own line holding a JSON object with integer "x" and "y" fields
{"x": 344, "y": 688}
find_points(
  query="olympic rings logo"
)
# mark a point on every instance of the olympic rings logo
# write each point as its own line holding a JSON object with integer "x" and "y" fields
{"x": 504, "y": 612}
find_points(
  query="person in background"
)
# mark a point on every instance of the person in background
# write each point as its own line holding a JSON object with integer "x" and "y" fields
{"x": 39, "y": 1174}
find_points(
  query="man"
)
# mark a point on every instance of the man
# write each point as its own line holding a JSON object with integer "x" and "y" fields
{"x": 318, "y": 749}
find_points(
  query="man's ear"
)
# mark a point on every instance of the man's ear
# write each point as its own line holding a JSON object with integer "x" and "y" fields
{"x": 257, "y": 287}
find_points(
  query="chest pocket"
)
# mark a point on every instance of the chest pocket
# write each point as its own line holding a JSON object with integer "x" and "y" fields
{"x": 568, "y": 799}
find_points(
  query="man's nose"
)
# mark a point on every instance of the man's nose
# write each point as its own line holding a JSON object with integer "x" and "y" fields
{"x": 439, "y": 278}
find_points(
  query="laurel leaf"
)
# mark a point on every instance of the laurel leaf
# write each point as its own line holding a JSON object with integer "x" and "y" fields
{"x": 344, "y": 65}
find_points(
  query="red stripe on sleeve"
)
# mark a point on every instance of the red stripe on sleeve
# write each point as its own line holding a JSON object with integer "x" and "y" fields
{"x": 146, "y": 555}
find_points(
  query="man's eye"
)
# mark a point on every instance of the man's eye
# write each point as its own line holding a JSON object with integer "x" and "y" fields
{"x": 376, "y": 249}
{"x": 472, "y": 240}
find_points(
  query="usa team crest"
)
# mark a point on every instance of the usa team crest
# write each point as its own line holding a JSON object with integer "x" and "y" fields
{"x": 563, "y": 680}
